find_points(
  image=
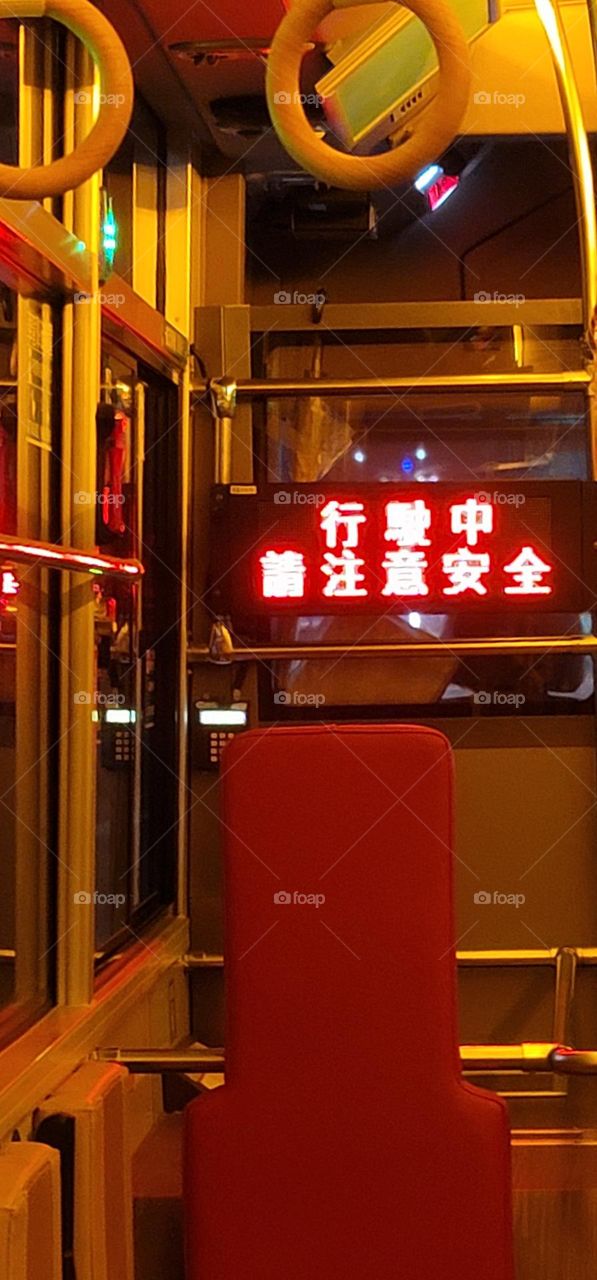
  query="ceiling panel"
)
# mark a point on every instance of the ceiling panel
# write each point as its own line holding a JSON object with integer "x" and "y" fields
{"x": 222, "y": 19}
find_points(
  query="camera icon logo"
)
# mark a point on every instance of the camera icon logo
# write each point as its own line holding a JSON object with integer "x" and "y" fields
{"x": 282, "y": 699}
{"x": 482, "y": 296}
{"x": 482, "y": 98}
{"x": 282, "y": 497}
{"x": 282, "y": 97}
{"x": 81, "y": 898}
{"x": 82, "y": 98}
{"x": 482, "y": 698}
{"x": 83, "y": 499}
{"x": 483, "y": 497}
{"x": 82, "y": 297}
{"x": 482, "y": 898}
{"x": 82, "y": 699}
{"x": 282, "y": 898}
{"x": 282, "y": 298}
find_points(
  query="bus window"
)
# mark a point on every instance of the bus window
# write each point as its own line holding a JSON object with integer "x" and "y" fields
{"x": 29, "y": 645}
{"x": 136, "y": 656}
{"x": 426, "y": 439}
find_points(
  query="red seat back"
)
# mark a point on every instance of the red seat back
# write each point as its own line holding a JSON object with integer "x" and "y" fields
{"x": 344, "y": 1143}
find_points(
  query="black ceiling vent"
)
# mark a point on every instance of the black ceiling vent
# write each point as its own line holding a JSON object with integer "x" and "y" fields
{"x": 247, "y": 115}
{"x": 208, "y": 53}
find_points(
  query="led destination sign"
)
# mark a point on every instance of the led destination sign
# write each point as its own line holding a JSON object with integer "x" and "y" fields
{"x": 377, "y": 549}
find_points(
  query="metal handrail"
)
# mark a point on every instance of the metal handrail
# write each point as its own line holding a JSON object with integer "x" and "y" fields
{"x": 407, "y": 649}
{"x": 249, "y": 388}
{"x": 537, "y": 957}
{"x": 573, "y": 1062}
{"x": 46, "y": 555}
{"x": 529, "y": 1057}
{"x": 155, "y": 1061}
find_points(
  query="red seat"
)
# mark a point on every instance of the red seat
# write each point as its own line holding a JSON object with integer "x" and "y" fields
{"x": 344, "y": 1144}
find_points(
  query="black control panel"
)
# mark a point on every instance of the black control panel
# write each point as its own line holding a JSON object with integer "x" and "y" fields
{"x": 214, "y": 725}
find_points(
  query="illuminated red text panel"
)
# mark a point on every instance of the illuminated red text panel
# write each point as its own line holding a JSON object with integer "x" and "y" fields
{"x": 437, "y": 548}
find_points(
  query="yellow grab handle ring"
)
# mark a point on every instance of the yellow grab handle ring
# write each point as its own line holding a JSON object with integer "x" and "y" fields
{"x": 430, "y": 137}
{"x": 116, "y": 101}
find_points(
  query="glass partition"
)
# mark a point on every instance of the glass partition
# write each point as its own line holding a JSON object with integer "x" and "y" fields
{"x": 393, "y": 439}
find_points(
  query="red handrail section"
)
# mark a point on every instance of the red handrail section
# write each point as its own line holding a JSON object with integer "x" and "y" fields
{"x": 68, "y": 559}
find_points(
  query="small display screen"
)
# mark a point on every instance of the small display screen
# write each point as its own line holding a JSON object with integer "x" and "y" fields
{"x": 216, "y": 716}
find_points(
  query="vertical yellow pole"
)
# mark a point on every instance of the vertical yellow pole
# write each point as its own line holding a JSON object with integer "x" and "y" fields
{"x": 180, "y": 243}
{"x": 35, "y": 345}
{"x": 81, "y": 372}
{"x": 582, "y": 173}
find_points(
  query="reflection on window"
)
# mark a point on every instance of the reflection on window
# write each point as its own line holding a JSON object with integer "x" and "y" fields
{"x": 447, "y": 436}
{"x": 28, "y": 674}
{"x": 9, "y": 70}
{"x": 136, "y": 659}
{"x": 8, "y": 412}
{"x": 7, "y": 783}
{"x": 115, "y": 717}
{"x": 450, "y": 682}
{"x": 426, "y": 439}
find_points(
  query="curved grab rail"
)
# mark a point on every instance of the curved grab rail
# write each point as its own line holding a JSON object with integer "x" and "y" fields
{"x": 116, "y": 101}
{"x": 580, "y": 159}
{"x": 44, "y": 555}
{"x": 439, "y": 122}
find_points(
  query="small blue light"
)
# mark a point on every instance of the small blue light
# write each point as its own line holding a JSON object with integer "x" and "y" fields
{"x": 428, "y": 176}
{"x": 359, "y": 456}
{"x": 420, "y": 454}
{"x": 407, "y": 465}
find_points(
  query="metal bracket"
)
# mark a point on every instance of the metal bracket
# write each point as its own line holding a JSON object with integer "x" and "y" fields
{"x": 223, "y": 393}
{"x": 223, "y": 397}
{"x": 221, "y": 645}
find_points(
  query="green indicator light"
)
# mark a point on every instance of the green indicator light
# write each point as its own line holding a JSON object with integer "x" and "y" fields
{"x": 109, "y": 233}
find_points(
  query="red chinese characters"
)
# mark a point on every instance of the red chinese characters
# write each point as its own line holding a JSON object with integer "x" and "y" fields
{"x": 9, "y": 585}
{"x": 406, "y": 549}
{"x": 407, "y": 525}
{"x": 283, "y": 575}
{"x": 528, "y": 571}
{"x": 341, "y": 522}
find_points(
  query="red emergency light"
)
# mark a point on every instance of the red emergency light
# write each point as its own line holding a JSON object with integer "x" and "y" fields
{"x": 440, "y": 191}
